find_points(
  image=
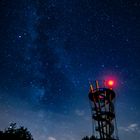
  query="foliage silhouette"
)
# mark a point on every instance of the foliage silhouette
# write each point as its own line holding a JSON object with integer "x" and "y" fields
{"x": 14, "y": 133}
{"x": 86, "y": 138}
{"x": 89, "y": 138}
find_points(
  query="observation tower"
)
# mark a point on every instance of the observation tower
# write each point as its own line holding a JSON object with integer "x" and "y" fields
{"x": 102, "y": 101}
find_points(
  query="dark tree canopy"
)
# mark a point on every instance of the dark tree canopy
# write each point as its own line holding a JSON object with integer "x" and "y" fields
{"x": 94, "y": 138}
{"x": 86, "y": 138}
{"x": 89, "y": 138}
{"x": 14, "y": 133}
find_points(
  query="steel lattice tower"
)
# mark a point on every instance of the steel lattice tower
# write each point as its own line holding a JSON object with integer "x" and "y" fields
{"x": 103, "y": 112}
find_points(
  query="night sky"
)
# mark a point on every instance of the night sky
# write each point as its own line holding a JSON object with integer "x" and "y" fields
{"x": 51, "y": 49}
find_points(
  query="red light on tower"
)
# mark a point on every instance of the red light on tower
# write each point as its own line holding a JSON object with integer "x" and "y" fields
{"x": 110, "y": 82}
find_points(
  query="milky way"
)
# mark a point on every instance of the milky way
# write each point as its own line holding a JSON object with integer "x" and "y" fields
{"x": 50, "y": 50}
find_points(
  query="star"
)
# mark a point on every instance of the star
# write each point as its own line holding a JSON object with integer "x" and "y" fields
{"x": 19, "y": 36}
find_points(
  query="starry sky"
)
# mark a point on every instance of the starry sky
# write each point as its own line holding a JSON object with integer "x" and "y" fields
{"x": 51, "y": 49}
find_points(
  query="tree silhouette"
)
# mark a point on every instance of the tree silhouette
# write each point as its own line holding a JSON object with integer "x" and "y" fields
{"x": 93, "y": 138}
{"x": 14, "y": 133}
{"x": 89, "y": 138}
{"x": 86, "y": 138}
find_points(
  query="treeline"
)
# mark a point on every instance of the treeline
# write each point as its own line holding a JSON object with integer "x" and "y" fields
{"x": 89, "y": 138}
{"x": 21, "y": 133}
{"x": 94, "y": 138}
{"x": 14, "y": 133}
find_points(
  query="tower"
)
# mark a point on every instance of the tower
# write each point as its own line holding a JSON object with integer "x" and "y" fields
{"x": 103, "y": 111}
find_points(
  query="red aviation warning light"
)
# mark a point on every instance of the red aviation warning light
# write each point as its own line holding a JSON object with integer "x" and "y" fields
{"x": 110, "y": 82}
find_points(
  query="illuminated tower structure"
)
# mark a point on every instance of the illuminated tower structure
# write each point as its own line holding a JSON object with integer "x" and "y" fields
{"x": 103, "y": 111}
